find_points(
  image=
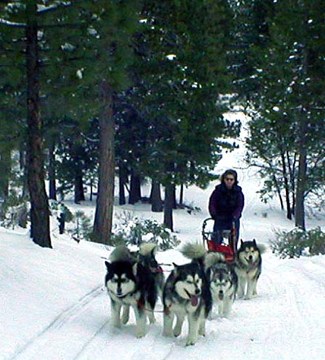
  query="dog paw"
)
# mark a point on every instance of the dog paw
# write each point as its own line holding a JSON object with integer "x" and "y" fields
{"x": 152, "y": 319}
{"x": 140, "y": 333}
{"x": 177, "y": 332}
{"x": 190, "y": 342}
{"x": 167, "y": 333}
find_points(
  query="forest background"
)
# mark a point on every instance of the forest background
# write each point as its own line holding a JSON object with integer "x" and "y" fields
{"x": 93, "y": 90}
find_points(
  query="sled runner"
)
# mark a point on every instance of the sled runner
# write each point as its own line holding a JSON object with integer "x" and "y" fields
{"x": 229, "y": 245}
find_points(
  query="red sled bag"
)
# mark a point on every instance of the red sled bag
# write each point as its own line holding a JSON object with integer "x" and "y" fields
{"x": 226, "y": 250}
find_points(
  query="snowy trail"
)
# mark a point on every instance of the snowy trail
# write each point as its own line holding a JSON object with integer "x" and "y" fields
{"x": 62, "y": 328}
{"x": 287, "y": 314}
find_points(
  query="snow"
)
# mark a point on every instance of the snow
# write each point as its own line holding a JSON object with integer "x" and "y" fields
{"x": 54, "y": 305}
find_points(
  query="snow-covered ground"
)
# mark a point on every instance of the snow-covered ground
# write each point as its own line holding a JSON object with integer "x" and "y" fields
{"x": 53, "y": 304}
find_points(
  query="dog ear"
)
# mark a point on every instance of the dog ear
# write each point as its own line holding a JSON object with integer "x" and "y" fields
{"x": 241, "y": 242}
{"x": 254, "y": 242}
{"x": 108, "y": 265}
{"x": 175, "y": 268}
{"x": 154, "y": 251}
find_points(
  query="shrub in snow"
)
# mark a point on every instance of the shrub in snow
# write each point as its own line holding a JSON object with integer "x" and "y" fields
{"x": 298, "y": 242}
{"x": 83, "y": 227}
{"x": 130, "y": 230}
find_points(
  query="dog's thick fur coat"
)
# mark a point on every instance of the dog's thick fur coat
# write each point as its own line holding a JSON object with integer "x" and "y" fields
{"x": 248, "y": 267}
{"x": 187, "y": 295}
{"x": 130, "y": 284}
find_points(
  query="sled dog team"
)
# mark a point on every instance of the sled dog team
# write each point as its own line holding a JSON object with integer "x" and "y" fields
{"x": 136, "y": 280}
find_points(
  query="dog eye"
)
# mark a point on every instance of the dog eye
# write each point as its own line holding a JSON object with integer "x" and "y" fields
{"x": 189, "y": 281}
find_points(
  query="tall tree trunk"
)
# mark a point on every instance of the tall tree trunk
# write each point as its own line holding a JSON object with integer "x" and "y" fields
{"x": 5, "y": 166}
{"x": 278, "y": 190}
{"x": 292, "y": 177}
{"x": 40, "y": 222}
{"x": 155, "y": 197}
{"x": 181, "y": 195}
{"x": 105, "y": 198}
{"x": 168, "y": 206}
{"x": 302, "y": 171}
{"x": 52, "y": 183}
{"x": 23, "y": 166}
{"x": 79, "y": 194}
{"x": 135, "y": 188}
{"x": 122, "y": 181}
{"x": 174, "y": 198}
{"x": 286, "y": 185}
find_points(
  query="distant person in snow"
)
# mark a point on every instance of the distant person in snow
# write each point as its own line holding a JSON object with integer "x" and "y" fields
{"x": 226, "y": 204}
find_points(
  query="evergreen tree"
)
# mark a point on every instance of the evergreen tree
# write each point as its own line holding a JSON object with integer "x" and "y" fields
{"x": 179, "y": 78}
{"x": 289, "y": 106}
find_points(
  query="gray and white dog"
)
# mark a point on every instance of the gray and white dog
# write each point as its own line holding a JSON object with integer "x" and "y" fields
{"x": 248, "y": 267}
{"x": 130, "y": 284}
{"x": 187, "y": 295}
{"x": 223, "y": 282}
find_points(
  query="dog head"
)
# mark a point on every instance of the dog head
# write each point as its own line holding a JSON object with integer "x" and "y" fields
{"x": 221, "y": 280}
{"x": 249, "y": 252}
{"x": 189, "y": 282}
{"x": 120, "y": 278}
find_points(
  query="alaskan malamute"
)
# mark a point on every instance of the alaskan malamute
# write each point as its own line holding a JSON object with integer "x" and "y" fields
{"x": 129, "y": 283}
{"x": 223, "y": 282}
{"x": 248, "y": 267}
{"x": 147, "y": 257}
{"x": 187, "y": 295}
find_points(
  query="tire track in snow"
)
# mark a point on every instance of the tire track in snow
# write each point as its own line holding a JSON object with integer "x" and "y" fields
{"x": 34, "y": 345}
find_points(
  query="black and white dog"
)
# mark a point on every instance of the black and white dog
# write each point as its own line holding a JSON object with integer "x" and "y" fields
{"x": 187, "y": 295}
{"x": 248, "y": 267}
{"x": 223, "y": 282}
{"x": 147, "y": 257}
{"x": 130, "y": 284}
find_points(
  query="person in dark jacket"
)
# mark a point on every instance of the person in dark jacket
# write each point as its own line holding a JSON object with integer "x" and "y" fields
{"x": 226, "y": 204}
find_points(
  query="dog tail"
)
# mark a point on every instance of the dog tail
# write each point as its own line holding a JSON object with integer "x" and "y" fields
{"x": 121, "y": 253}
{"x": 214, "y": 258}
{"x": 147, "y": 248}
{"x": 262, "y": 248}
{"x": 194, "y": 251}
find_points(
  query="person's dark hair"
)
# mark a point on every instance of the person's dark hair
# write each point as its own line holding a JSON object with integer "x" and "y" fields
{"x": 230, "y": 172}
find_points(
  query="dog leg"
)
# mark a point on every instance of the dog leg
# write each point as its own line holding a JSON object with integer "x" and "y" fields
{"x": 241, "y": 287}
{"x": 220, "y": 307}
{"x": 151, "y": 315}
{"x": 202, "y": 327}
{"x": 227, "y": 303}
{"x": 179, "y": 324}
{"x": 193, "y": 329}
{"x": 250, "y": 289}
{"x": 254, "y": 287}
{"x": 168, "y": 324}
{"x": 115, "y": 312}
{"x": 125, "y": 314}
{"x": 141, "y": 318}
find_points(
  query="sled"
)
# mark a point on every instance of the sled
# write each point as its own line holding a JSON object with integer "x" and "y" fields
{"x": 229, "y": 245}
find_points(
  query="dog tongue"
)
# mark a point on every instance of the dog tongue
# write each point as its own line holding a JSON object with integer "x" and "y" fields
{"x": 194, "y": 300}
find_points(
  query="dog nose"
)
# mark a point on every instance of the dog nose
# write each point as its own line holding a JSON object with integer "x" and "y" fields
{"x": 197, "y": 291}
{"x": 250, "y": 257}
{"x": 220, "y": 292}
